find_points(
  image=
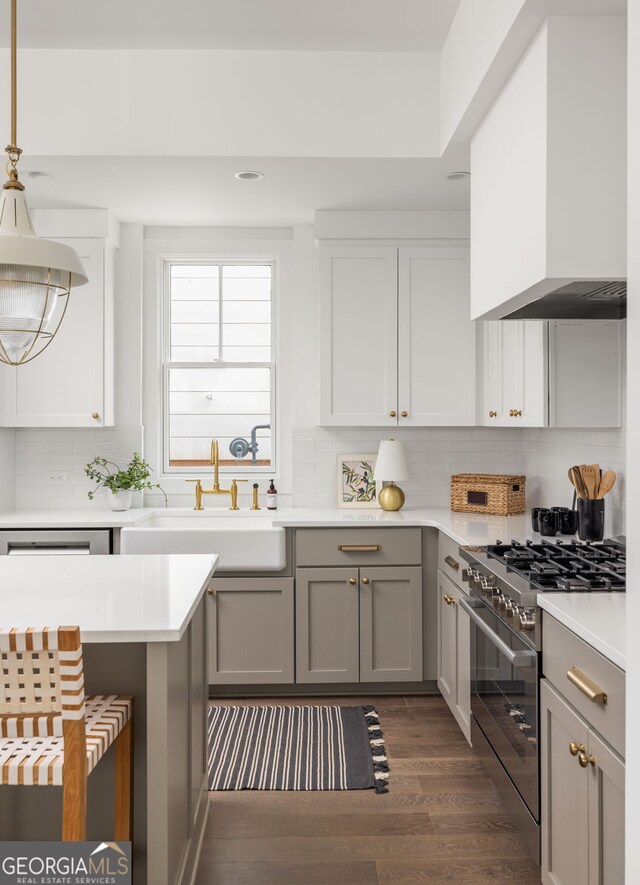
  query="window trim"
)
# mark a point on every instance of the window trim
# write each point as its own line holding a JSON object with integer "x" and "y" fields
{"x": 166, "y": 364}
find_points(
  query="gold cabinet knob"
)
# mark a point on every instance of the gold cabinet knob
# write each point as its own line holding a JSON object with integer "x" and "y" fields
{"x": 352, "y": 581}
{"x": 392, "y": 414}
{"x": 515, "y": 413}
{"x": 448, "y": 599}
{"x": 404, "y": 414}
{"x": 95, "y": 415}
{"x": 493, "y": 414}
{"x": 585, "y": 760}
{"x": 574, "y": 748}
{"x": 210, "y": 591}
{"x": 365, "y": 580}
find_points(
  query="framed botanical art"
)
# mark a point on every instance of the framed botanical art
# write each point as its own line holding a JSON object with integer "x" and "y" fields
{"x": 356, "y": 485}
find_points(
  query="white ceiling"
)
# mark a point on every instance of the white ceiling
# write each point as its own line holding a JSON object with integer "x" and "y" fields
{"x": 385, "y": 25}
{"x": 203, "y": 190}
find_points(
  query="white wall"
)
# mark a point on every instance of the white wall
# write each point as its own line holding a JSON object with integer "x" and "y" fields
{"x": 227, "y": 103}
{"x": 7, "y": 473}
{"x": 633, "y": 442}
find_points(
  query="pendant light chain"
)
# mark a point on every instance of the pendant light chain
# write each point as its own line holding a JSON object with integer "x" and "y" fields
{"x": 12, "y": 149}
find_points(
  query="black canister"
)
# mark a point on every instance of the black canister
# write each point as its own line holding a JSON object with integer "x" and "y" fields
{"x": 591, "y": 519}
{"x": 548, "y": 522}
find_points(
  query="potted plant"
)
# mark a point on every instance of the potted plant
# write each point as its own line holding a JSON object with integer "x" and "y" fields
{"x": 121, "y": 483}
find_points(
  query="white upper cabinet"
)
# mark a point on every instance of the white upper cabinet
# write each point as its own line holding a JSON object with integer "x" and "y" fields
{"x": 565, "y": 373}
{"x": 515, "y": 374}
{"x": 548, "y": 179}
{"x": 436, "y": 340}
{"x": 359, "y": 289}
{"x": 72, "y": 383}
{"x": 398, "y": 347}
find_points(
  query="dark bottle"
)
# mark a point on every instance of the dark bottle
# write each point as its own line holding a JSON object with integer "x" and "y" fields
{"x": 272, "y": 497}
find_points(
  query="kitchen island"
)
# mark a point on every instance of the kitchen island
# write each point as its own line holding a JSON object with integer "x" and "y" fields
{"x": 144, "y": 632}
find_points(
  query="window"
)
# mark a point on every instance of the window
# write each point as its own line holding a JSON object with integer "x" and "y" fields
{"x": 218, "y": 366}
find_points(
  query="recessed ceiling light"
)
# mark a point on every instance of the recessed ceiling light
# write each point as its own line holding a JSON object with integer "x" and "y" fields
{"x": 249, "y": 175}
{"x": 456, "y": 176}
{"x": 37, "y": 173}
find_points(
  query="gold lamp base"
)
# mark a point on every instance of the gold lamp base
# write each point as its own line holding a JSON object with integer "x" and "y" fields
{"x": 391, "y": 497}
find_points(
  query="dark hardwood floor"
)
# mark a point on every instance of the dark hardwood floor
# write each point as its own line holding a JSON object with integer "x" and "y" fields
{"x": 441, "y": 822}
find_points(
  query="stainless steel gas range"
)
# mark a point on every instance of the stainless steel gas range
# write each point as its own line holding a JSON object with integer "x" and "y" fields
{"x": 506, "y": 641}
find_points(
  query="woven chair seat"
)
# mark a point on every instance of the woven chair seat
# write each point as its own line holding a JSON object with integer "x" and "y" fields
{"x": 32, "y": 758}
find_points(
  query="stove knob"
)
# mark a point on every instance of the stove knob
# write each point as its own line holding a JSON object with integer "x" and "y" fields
{"x": 503, "y": 602}
{"x": 527, "y": 620}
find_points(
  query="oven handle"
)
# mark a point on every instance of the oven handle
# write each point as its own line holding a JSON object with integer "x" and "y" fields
{"x": 516, "y": 658}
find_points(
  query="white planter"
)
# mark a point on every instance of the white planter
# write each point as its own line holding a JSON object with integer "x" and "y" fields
{"x": 119, "y": 500}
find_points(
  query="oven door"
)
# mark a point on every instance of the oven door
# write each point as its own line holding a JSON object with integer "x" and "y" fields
{"x": 504, "y": 697}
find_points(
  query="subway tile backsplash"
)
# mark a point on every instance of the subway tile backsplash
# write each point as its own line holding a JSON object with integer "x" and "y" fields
{"x": 543, "y": 455}
{"x": 38, "y": 452}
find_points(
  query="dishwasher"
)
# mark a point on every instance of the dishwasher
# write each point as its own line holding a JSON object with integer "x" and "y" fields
{"x": 48, "y": 542}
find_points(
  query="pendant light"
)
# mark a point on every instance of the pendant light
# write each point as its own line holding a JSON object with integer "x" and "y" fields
{"x": 36, "y": 275}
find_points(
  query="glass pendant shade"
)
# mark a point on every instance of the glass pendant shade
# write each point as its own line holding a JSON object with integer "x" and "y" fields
{"x": 36, "y": 277}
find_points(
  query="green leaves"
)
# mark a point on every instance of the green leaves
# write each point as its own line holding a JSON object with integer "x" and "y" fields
{"x": 135, "y": 478}
{"x": 358, "y": 483}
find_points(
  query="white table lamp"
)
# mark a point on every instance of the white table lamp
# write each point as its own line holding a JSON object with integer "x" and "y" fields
{"x": 391, "y": 467}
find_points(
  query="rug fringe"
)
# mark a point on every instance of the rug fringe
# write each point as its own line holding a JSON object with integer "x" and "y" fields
{"x": 378, "y": 754}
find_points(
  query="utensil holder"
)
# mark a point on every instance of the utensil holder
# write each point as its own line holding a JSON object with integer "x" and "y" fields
{"x": 591, "y": 519}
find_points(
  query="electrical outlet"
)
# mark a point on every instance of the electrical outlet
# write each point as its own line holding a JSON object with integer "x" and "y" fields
{"x": 57, "y": 478}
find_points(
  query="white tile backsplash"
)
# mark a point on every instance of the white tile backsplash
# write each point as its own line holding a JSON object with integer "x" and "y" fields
{"x": 39, "y": 451}
{"x": 543, "y": 455}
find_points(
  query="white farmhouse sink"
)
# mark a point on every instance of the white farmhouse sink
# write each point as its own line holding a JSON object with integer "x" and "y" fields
{"x": 243, "y": 542}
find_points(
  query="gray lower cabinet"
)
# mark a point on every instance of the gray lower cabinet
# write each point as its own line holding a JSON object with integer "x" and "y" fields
{"x": 454, "y": 649}
{"x": 359, "y": 625}
{"x": 251, "y": 631}
{"x": 582, "y": 799}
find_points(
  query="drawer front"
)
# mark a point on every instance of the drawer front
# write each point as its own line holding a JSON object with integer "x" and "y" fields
{"x": 449, "y": 561}
{"x": 590, "y": 673}
{"x": 356, "y": 547}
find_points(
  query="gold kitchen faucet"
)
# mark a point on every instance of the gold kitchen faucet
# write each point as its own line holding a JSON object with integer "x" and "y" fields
{"x": 216, "y": 490}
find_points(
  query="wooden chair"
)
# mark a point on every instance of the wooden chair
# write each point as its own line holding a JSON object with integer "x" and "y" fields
{"x": 52, "y": 734}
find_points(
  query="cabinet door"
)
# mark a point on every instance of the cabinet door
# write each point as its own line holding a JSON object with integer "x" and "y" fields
{"x": 327, "y": 625}
{"x": 493, "y": 408}
{"x": 65, "y": 386}
{"x": 390, "y": 624}
{"x": 359, "y": 355}
{"x": 565, "y": 792}
{"x": 524, "y": 373}
{"x": 446, "y": 640}
{"x": 606, "y": 814}
{"x": 436, "y": 338}
{"x": 251, "y": 631}
{"x": 585, "y": 367}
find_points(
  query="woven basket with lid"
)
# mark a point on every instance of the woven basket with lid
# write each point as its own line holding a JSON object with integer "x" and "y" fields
{"x": 498, "y": 494}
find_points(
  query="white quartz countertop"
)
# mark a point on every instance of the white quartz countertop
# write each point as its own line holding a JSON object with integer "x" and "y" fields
{"x": 133, "y": 598}
{"x": 465, "y": 528}
{"x": 82, "y": 518}
{"x": 598, "y": 618}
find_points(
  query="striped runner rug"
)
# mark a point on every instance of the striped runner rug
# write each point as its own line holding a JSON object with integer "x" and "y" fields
{"x": 296, "y": 748}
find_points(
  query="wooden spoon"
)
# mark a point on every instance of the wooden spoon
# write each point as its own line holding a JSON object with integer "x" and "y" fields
{"x": 578, "y": 482}
{"x": 606, "y": 483}
{"x": 590, "y": 474}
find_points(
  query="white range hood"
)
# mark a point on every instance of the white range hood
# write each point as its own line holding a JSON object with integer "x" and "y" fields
{"x": 548, "y": 180}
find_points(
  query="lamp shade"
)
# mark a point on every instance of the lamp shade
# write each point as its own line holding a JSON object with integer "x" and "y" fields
{"x": 391, "y": 463}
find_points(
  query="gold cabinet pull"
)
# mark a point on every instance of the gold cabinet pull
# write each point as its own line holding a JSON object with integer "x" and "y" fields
{"x": 404, "y": 414}
{"x": 95, "y": 415}
{"x": 352, "y": 581}
{"x": 392, "y": 414}
{"x": 515, "y": 413}
{"x": 492, "y": 414}
{"x": 587, "y": 686}
{"x": 452, "y": 563}
{"x": 365, "y": 580}
{"x": 449, "y": 599}
{"x": 585, "y": 760}
{"x": 359, "y": 548}
{"x": 210, "y": 591}
{"x": 574, "y": 748}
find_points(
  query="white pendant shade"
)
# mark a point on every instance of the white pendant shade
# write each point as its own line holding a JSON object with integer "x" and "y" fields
{"x": 36, "y": 276}
{"x": 391, "y": 463}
